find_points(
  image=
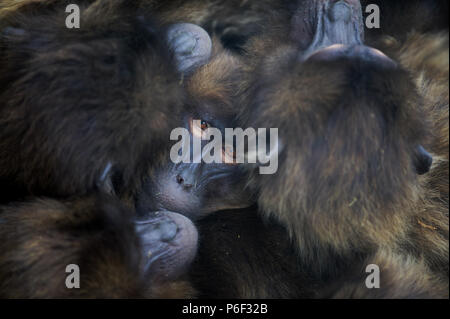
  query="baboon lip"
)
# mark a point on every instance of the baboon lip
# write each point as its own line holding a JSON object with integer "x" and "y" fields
{"x": 337, "y": 51}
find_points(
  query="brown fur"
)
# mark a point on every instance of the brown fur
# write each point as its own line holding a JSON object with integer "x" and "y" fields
{"x": 347, "y": 186}
{"x": 400, "y": 277}
{"x": 432, "y": 225}
{"x": 115, "y": 114}
{"x": 391, "y": 217}
{"x": 235, "y": 22}
{"x": 40, "y": 238}
{"x": 431, "y": 70}
{"x": 70, "y": 103}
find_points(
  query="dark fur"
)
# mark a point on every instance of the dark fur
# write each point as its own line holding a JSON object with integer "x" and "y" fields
{"x": 213, "y": 96}
{"x": 109, "y": 108}
{"x": 417, "y": 232}
{"x": 41, "y": 237}
{"x": 71, "y": 103}
{"x": 341, "y": 196}
{"x": 235, "y": 22}
{"x": 238, "y": 21}
{"x": 379, "y": 207}
{"x": 49, "y": 235}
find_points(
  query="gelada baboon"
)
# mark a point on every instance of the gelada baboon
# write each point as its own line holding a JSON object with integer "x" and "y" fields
{"x": 348, "y": 190}
{"x": 198, "y": 189}
{"x": 251, "y": 258}
{"x": 115, "y": 257}
{"x": 109, "y": 131}
{"x": 252, "y": 284}
{"x": 83, "y": 113}
{"x": 228, "y": 240}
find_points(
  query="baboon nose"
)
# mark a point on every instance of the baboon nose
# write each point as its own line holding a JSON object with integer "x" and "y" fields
{"x": 336, "y": 51}
{"x": 183, "y": 181}
{"x": 340, "y": 11}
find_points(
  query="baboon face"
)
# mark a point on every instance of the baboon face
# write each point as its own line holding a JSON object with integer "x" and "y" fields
{"x": 197, "y": 188}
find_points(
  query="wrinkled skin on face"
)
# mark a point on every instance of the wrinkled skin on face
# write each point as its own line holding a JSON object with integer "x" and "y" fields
{"x": 318, "y": 24}
{"x": 324, "y": 30}
{"x": 196, "y": 189}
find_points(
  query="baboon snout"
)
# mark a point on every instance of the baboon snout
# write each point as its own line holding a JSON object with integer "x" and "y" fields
{"x": 185, "y": 180}
{"x": 335, "y": 22}
{"x": 337, "y": 51}
{"x": 340, "y": 10}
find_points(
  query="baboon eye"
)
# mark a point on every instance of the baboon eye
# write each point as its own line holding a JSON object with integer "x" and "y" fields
{"x": 199, "y": 127}
{"x": 203, "y": 125}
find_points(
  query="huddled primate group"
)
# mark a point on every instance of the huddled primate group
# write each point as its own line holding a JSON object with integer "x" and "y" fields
{"x": 86, "y": 177}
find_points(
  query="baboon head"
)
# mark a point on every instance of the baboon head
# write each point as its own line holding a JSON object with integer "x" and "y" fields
{"x": 350, "y": 133}
{"x": 195, "y": 188}
{"x": 351, "y": 129}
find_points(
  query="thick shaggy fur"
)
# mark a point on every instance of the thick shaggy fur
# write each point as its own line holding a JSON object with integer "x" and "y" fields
{"x": 235, "y": 22}
{"x": 346, "y": 190}
{"x": 427, "y": 57}
{"x": 355, "y": 202}
{"x": 49, "y": 235}
{"x": 73, "y": 102}
{"x": 78, "y": 107}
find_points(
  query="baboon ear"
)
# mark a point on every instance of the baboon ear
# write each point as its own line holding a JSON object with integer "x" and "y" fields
{"x": 422, "y": 160}
{"x": 190, "y": 44}
{"x": 105, "y": 181}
